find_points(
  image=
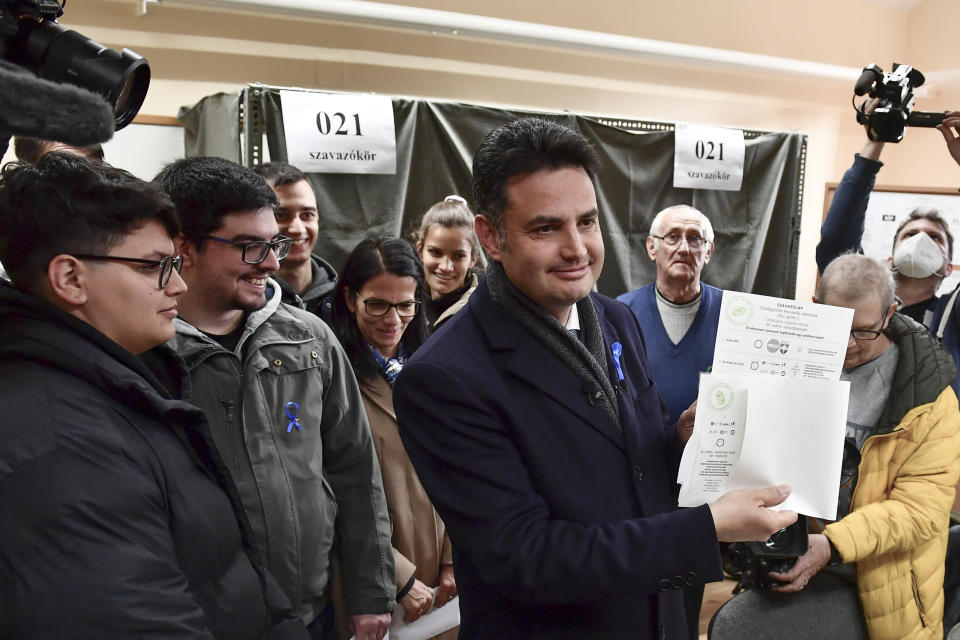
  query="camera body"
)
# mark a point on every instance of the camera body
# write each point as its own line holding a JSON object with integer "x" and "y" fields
{"x": 752, "y": 562}
{"x": 895, "y": 112}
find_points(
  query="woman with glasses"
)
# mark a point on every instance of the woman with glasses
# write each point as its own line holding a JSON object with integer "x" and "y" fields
{"x": 377, "y": 315}
{"x": 449, "y": 249}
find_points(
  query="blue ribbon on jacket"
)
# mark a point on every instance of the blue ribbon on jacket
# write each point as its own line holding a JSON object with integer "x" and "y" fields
{"x": 292, "y": 416}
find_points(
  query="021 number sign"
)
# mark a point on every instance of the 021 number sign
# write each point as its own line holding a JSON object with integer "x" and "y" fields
{"x": 339, "y": 132}
{"x": 708, "y": 157}
{"x": 338, "y": 124}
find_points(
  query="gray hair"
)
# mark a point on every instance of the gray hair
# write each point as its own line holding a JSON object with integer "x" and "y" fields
{"x": 705, "y": 225}
{"x": 854, "y": 277}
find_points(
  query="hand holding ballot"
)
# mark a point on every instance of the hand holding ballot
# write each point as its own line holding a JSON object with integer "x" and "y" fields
{"x": 742, "y": 516}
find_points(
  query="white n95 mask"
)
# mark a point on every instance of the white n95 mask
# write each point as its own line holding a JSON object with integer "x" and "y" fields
{"x": 918, "y": 257}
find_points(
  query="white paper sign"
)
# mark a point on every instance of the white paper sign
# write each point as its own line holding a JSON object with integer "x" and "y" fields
{"x": 708, "y": 157}
{"x": 339, "y": 133}
{"x": 764, "y": 336}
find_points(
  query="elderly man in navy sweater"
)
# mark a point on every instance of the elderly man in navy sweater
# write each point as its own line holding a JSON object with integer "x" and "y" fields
{"x": 678, "y": 313}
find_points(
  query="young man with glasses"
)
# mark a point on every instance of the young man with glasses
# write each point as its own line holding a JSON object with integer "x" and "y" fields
{"x": 117, "y": 518}
{"x": 877, "y": 570}
{"x": 285, "y": 410}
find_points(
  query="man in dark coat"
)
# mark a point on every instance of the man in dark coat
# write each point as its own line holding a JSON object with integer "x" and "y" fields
{"x": 536, "y": 429}
{"x": 116, "y": 520}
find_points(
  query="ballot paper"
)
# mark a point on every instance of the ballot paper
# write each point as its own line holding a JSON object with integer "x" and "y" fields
{"x": 764, "y": 336}
{"x": 432, "y": 623}
{"x": 773, "y": 410}
{"x": 755, "y": 432}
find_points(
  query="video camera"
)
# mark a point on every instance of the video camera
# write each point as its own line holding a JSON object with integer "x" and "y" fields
{"x": 751, "y": 562}
{"x": 58, "y": 84}
{"x": 31, "y": 38}
{"x": 895, "y": 112}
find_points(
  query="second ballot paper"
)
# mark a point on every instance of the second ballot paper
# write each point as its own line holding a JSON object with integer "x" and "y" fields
{"x": 773, "y": 410}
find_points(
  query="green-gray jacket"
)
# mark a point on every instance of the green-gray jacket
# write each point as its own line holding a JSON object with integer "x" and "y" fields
{"x": 290, "y": 425}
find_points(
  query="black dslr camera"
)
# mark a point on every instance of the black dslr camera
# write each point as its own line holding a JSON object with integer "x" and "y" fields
{"x": 895, "y": 111}
{"x": 751, "y": 562}
{"x": 31, "y": 38}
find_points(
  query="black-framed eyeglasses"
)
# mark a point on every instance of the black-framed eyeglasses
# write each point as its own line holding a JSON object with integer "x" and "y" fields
{"x": 869, "y": 334}
{"x": 165, "y": 266}
{"x": 255, "y": 251}
{"x": 673, "y": 239}
{"x": 379, "y": 308}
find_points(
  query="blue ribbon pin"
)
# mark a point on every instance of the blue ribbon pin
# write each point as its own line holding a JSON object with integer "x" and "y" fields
{"x": 616, "y": 349}
{"x": 292, "y": 416}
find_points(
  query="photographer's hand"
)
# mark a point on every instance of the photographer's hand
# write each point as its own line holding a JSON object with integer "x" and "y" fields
{"x": 950, "y": 128}
{"x": 742, "y": 516}
{"x": 807, "y": 566}
{"x": 871, "y": 150}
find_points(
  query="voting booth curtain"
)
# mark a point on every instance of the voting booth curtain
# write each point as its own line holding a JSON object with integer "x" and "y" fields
{"x": 757, "y": 228}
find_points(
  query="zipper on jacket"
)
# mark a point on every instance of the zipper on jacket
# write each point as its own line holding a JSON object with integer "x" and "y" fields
{"x": 229, "y": 409}
{"x": 916, "y": 597}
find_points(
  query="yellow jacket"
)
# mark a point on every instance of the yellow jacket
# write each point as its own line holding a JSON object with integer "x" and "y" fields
{"x": 896, "y": 530}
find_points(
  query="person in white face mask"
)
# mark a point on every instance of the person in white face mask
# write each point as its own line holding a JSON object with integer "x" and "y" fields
{"x": 922, "y": 247}
{"x": 920, "y": 257}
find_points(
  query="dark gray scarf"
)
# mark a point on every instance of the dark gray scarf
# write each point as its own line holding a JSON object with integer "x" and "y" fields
{"x": 586, "y": 358}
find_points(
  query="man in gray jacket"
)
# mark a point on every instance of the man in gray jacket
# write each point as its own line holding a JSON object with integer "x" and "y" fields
{"x": 283, "y": 405}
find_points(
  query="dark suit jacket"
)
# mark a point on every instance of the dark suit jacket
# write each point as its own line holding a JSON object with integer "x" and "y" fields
{"x": 562, "y": 525}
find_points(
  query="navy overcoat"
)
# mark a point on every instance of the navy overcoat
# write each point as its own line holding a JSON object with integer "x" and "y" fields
{"x": 562, "y": 524}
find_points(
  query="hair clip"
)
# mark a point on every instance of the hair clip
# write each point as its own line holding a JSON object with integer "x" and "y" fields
{"x": 455, "y": 199}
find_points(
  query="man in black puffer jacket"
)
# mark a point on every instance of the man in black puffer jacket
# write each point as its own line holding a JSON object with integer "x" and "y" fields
{"x": 115, "y": 517}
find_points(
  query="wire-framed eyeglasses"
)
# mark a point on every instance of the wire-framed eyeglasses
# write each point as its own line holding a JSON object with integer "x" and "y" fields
{"x": 378, "y": 308}
{"x": 255, "y": 251}
{"x": 165, "y": 266}
{"x": 695, "y": 243}
{"x": 870, "y": 334}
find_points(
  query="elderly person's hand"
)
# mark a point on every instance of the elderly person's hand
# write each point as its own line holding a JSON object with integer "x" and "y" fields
{"x": 686, "y": 421}
{"x": 370, "y": 626}
{"x": 417, "y": 601}
{"x": 447, "y": 589}
{"x": 807, "y": 566}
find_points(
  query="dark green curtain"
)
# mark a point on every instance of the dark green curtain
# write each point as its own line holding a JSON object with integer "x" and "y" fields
{"x": 757, "y": 228}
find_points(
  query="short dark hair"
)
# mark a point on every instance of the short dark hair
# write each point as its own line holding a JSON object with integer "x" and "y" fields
{"x": 206, "y": 189}
{"x": 369, "y": 259}
{"x": 520, "y": 147}
{"x": 30, "y": 150}
{"x": 931, "y": 214}
{"x": 280, "y": 173}
{"x": 68, "y": 204}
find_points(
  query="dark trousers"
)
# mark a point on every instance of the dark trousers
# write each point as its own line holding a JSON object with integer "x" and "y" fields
{"x": 951, "y": 580}
{"x": 323, "y": 626}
